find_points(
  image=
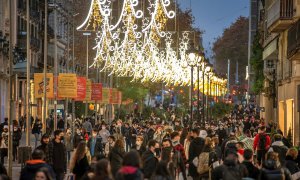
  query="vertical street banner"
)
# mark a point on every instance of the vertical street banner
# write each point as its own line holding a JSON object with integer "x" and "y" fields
{"x": 96, "y": 92}
{"x": 67, "y": 85}
{"x": 105, "y": 95}
{"x": 81, "y": 89}
{"x": 39, "y": 85}
{"x": 115, "y": 96}
{"x": 88, "y": 90}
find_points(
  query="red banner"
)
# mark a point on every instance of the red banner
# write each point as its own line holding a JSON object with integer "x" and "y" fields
{"x": 97, "y": 91}
{"x": 115, "y": 96}
{"x": 81, "y": 88}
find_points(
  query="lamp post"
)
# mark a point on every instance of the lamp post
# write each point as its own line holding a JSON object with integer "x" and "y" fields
{"x": 207, "y": 70}
{"x": 87, "y": 34}
{"x": 192, "y": 60}
{"x": 201, "y": 57}
{"x": 203, "y": 94}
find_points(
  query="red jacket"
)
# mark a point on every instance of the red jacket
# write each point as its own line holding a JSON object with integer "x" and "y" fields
{"x": 256, "y": 141}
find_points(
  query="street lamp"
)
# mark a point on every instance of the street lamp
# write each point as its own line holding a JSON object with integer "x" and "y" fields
{"x": 192, "y": 59}
{"x": 201, "y": 58}
{"x": 208, "y": 71}
{"x": 87, "y": 34}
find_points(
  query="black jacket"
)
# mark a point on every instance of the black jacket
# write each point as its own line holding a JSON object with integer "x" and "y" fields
{"x": 58, "y": 161}
{"x": 98, "y": 146}
{"x": 253, "y": 171}
{"x": 141, "y": 150}
{"x": 77, "y": 139}
{"x": 149, "y": 163}
{"x": 291, "y": 165}
{"x": 270, "y": 171}
{"x": 239, "y": 170}
{"x": 195, "y": 149}
{"x": 116, "y": 158}
{"x": 81, "y": 167}
{"x": 32, "y": 166}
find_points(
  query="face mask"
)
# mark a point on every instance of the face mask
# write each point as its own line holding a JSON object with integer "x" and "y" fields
{"x": 157, "y": 151}
{"x": 175, "y": 143}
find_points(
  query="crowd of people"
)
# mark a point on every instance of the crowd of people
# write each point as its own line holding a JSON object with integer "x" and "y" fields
{"x": 238, "y": 146}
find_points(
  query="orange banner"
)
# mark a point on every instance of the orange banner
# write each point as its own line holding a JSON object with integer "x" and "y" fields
{"x": 39, "y": 85}
{"x": 88, "y": 90}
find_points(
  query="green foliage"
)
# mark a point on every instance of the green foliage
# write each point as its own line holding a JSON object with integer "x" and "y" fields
{"x": 219, "y": 110}
{"x": 257, "y": 65}
{"x": 233, "y": 45}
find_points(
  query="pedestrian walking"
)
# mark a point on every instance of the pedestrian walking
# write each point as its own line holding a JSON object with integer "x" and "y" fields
{"x": 68, "y": 143}
{"x": 44, "y": 147}
{"x": 36, "y": 130}
{"x": 116, "y": 156}
{"x": 261, "y": 144}
{"x": 17, "y": 134}
{"x": 150, "y": 158}
{"x": 43, "y": 174}
{"x": 58, "y": 155}
{"x": 109, "y": 145}
{"x": 130, "y": 167}
{"x": 80, "y": 163}
{"x": 32, "y": 166}
{"x": 4, "y": 144}
{"x": 77, "y": 137}
{"x": 95, "y": 144}
{"x": 87, "y": 126}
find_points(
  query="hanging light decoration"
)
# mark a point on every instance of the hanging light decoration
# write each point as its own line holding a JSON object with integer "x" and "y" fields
{"x": 131, "y": 46}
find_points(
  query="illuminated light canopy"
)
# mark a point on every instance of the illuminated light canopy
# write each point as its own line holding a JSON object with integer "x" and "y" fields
{"x": 131, "y": 46}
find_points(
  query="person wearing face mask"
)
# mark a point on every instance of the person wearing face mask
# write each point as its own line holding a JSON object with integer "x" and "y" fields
{"x": 150, "y": 159}
{"x": 179, "y": 154}
{"x": 44, "y": 146}
{"x": 58, "y": 155}
{"x": 95, "y": 144}
{"x": 104, "y": 134}
{"x": 17, "y": 134}
{"x": 139, "y": 147}
{"x": 4, "y": 143}
{"x": 77, "y": 137}
{"x": 222, "y": 134}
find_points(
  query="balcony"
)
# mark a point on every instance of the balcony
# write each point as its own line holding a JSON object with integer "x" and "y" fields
{"x": 280, "y": 15}
{"x": 294, "y": 41}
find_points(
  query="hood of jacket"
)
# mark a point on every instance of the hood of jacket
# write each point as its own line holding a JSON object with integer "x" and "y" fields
{"x": 34, "y": 165}
{"x": 277, "y": 143}
{"x": 270, "y": 164}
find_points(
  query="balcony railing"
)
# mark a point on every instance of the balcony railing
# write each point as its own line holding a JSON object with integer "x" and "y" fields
{"x": 279, "y": 15}
{"x": 293, "y": 39}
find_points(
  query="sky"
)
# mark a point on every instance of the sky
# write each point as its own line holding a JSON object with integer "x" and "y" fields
{"x": 213, "y": 16}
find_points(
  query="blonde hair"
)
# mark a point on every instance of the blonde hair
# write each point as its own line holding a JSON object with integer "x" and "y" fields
{"x": 209, "y": 142}
{"x": 292, "y": 152}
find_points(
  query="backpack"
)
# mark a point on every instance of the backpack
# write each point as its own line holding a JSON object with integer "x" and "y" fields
{"x": 262, "y": 142}
{"x": 203, "y": 163}
{"x": 231, "y": 173}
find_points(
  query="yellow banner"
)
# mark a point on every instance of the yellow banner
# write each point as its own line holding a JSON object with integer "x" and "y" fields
{"x": 88, "y": 95}
{"x": 67, "y": 85}
{"x": 105, "y": 95}
{"x": 39, "y": 85}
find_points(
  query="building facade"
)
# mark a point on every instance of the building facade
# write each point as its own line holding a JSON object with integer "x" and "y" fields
{"x": 19, "y": 19}
{"x": 280, "y": 27}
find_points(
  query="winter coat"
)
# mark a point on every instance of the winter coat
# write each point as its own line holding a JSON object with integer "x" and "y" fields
{"x": 44, "y": 147}
{"x": 17, "y": 135}
{"x": 291, "y": 165}
{"x": 98, "y": 146}
{"x": 270, "y": 171}
{"x": 77, "y": 139}
{"x": 52, "y": 155}
{"x": 279, "y": 148}
{"x": 36, "y": 128}
{"x": 149, "y": 163}
{"x": 32, "y": 166}
{"x": 253, "y": 171}
{"x": 68, "y": 142}
{"x": 195, "y": 149}
{"x": 141, "y": 150}
{"x": 239, "y": 170}
{"x": 116, "y": 158}
{"x": 81, "y": 167}
{"x": 256, "y": 141}
{"x": 129, "y": 173}
{"x": 212, "y": 158}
